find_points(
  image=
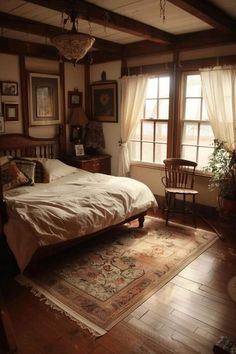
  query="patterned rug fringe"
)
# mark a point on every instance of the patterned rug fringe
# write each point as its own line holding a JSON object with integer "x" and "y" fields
{"x": 49, "y": 302}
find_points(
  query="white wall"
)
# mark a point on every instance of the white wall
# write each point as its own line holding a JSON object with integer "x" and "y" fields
{"x": 10, "y": 71}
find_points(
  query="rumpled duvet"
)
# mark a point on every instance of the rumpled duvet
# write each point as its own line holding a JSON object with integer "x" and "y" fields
{"x": 73, "y": 206}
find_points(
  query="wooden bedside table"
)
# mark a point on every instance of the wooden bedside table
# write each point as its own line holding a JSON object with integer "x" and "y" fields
{"x": 92, "y": 163}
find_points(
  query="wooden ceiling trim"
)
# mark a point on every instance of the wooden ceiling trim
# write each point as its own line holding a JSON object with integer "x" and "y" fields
{"x": 209, "y": 13}
{"x": 18, "y": 47}
{"x": 34, "y": 27}
{"x": 203, "y": 39}
{"x": 104, "y": 17}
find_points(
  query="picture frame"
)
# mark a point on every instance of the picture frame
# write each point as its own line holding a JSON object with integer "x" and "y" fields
{"x": 2, "y": 125}
{"x": 9, "y": 88}
{"x": 74, "y": 99}
{"x": 79, "y": 150}
{"x": 11, "y": 112}
{"x": 104, "y": 101}
{"x": 44, "y": 99}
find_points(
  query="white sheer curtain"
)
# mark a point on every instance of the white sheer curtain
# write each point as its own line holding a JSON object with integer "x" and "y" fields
{"x": 219, "y": 93}
{"x": 132, "y": 94}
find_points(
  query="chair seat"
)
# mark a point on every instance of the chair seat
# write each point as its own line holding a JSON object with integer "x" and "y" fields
{"x": 181, "y": 191}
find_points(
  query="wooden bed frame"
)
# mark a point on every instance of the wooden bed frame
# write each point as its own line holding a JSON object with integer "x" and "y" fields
{"x": 19, "y": 145}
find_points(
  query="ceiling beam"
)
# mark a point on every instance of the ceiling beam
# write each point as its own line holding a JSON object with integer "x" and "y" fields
{"x": 209, "y": 13}
{"x": 33, "y": 27}
{"x": 15, "y": 46}
{"x": 106, "y": 18}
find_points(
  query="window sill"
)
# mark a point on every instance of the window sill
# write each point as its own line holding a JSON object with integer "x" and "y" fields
{"x": 159, "y": 166}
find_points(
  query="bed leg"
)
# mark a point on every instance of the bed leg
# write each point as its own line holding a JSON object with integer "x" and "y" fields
{"x": 141, "y": 221}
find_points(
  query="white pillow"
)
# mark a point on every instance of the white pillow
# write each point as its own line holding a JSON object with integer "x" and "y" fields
{"x": 54, "y": 169}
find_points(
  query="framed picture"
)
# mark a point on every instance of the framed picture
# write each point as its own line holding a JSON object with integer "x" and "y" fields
{"x": 2, "y": 124}
{"x": 44, "y": 99}
{"x": 74, "y": 99}
{"x": 9, "y": 88}
{"x": 104, "y": 101}
{"x": 79, "y": 150}
{"x": 11, "y": 112}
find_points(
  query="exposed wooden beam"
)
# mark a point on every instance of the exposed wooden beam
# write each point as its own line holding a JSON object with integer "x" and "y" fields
{"x": 203, "y": 39}
{"x": 34, "y": 27}
{"x": 104, "y": 17}
{"x": 15, "y": 46}
{"x": 209, "y": 13}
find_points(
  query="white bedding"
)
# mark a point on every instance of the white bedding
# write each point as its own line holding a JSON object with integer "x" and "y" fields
{"x": 78, "y": 204}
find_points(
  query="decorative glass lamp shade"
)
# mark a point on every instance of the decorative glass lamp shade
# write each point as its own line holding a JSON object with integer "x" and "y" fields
{"x": 73, "y": 45}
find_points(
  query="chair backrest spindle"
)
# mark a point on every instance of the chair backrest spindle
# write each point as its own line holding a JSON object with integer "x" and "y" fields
{"x": 179, "y": 173}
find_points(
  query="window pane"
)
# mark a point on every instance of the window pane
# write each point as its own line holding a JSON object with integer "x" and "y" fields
{"x": 204, "y": 112}
{"x": 161, "y": 132}
{"x": 189, "y": 153}
{"x": 152, "y": 88}
{"x": 137, "y": 132}
{"x": 148, "y": 131}
{"x": 192, "y": 109}
{"x": 163, "y": 109}
{"x": 206, "y": 135}
{"x": 164, "y": 87}
{"x": 160, "y": 152}
{"x": 193, "y": 86}
{"x": 147, "y": 152}
{"x": 203, "y": 156}
{"x": 135, "y": 151}
{"x": 151, "y": 109}
{"x": 190, "y": 133}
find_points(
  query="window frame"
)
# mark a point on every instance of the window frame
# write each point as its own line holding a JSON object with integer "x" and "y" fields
{"x": 169, "y": 121}
{"x": 182, "y": 121}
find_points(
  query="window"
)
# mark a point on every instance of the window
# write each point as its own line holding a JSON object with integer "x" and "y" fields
{"x": 149, "y": 143}
{"x": 197, "y": 134}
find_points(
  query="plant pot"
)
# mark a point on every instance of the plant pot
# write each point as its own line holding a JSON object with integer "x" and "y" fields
{"x": 227, "y": 205}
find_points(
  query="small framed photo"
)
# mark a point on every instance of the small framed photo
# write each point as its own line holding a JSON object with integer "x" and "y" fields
{"x": 9, "y": 88}
{"x": 74, "y": 99}
{"x": 104, "y": 101}
{"x": 11, "y": 112}
{"x": 79, "y": 150}
{"x": 2, "y": 124}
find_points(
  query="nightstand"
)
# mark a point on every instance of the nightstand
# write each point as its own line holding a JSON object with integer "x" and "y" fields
{"x": 92, "y": 163}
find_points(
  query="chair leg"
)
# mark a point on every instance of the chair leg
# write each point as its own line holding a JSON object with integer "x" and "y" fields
{"x": 168, "y": 207}
{"x": 194, "y": 212}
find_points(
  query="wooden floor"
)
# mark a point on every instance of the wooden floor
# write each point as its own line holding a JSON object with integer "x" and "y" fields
{"x": 188, "y": 315}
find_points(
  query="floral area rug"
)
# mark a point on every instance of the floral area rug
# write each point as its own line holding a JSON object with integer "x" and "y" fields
{"x": 104, "y": 279}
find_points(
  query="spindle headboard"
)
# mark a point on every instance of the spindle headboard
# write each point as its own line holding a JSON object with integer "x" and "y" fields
{"x": 19, "y": 145}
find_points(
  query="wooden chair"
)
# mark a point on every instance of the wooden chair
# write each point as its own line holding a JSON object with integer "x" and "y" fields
{"x": 179, "y": 180}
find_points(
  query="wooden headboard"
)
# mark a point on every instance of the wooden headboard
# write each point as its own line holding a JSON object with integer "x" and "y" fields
{"x": 19, "y": 145}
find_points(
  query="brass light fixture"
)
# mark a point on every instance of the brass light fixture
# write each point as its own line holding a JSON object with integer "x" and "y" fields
{"x": 73, "y": 45}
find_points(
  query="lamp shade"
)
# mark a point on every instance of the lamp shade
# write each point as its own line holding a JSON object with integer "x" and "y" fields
{"x": 73, "y": 46}
{"x": 78, "y": 117}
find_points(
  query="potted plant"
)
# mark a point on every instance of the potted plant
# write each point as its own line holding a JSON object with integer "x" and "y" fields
{"x": 222, "y": 165}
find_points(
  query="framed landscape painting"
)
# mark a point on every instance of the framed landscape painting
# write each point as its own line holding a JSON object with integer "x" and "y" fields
{"x": 44, "y": 99}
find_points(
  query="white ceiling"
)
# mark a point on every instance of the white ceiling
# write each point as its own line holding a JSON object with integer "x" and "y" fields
{"x": 147, "y": 11}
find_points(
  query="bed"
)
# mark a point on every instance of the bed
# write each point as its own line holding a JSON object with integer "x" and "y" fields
{"x": 69, "y": 205}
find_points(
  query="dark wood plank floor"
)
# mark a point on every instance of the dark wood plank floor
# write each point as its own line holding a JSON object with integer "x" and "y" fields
{"x": 188, "y": 315}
